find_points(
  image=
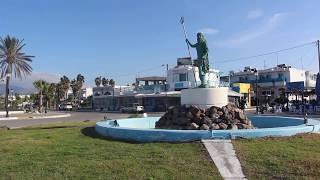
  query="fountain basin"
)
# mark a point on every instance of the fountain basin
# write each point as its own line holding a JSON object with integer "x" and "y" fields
{"x": 143, "y": 129}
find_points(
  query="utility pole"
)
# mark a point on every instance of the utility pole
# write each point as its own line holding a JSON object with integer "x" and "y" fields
{"x": 166, "y": 88}
{"x": 318, "y": 44}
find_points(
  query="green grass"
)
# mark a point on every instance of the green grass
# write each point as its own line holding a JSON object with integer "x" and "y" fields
{"x": 295, "y": 157}
{"x": 72, "y": 151}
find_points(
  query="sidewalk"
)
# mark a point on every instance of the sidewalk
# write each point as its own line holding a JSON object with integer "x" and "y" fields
{"x": 35, "y": 116}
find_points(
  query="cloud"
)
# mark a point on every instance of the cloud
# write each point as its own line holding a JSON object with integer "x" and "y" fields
{"x": 208, "y": 30}
{"x": 255, "y": 14}
{"x": 266, "y": 27}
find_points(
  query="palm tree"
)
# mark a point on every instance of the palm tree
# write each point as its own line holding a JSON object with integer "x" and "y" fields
{"x": 98, "y": 81}
{"x": 80, "y": 79}
{"x": 76, "y": 86}
{"x": 51, "y": 94}
{"x": 112, "y": 82}
{"x": 42, "y": 87}
{"x": 105, "y": 82}
{"x": 13, "y": 61}
{"x": 65, "y": 85}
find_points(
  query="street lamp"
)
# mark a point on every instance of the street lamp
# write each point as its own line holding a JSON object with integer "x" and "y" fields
{"x": 257, "y": 99}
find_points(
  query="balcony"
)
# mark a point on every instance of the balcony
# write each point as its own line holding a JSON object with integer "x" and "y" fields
{"x": 280, "y": 79}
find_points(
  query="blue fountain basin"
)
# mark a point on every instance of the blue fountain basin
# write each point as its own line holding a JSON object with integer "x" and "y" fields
{"x": 143, "y": 129}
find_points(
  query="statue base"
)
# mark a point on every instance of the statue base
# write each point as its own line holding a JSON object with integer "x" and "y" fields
{"x": 205, "y": 97}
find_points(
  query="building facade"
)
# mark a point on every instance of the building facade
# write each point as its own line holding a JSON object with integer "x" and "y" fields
{"x": 185, "y": 75}
{"x": 155, "y": 93}
{"x": 271, "y": 83}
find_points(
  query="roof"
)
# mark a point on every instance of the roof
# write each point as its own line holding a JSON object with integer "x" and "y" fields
{"x": 162, "y": 94}
{"x": 234, "y": 93}
{"x": 152, "y": 78}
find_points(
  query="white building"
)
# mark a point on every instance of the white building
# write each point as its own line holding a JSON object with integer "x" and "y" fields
{"x": 273, "y": 81}
{"x": 85, "y": 93}
{"x": 185, "y": 75}
{"x": 155, "y": 93}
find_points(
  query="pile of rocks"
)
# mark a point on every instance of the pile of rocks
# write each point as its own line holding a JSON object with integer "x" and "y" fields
{"x": 215, "y": 118}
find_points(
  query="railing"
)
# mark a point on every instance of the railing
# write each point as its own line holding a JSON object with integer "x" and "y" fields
{"x": 264, "y": 80}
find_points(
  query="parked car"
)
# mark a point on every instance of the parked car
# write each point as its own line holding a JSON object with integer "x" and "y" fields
{"x": 134, "y": 108}
{"x": 65, "y": 107}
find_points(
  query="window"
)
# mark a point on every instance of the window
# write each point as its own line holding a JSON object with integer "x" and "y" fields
{"x": 280, "y": 75}
{"x": 261, "y": 77}
{"x": 268, "y": 77}
{"x": 183, "y": 77}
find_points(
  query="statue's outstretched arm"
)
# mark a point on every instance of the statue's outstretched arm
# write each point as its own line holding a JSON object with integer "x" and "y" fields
{"x": 191, "y": 45}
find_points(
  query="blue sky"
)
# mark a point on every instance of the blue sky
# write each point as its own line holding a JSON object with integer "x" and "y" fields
{"x": 123, "y": 39}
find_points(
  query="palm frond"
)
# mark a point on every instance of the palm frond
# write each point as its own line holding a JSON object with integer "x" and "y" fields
{"x": 12, "y": 60}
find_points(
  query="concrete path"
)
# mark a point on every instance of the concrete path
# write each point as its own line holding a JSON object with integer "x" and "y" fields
{"x": 224, "y": 157}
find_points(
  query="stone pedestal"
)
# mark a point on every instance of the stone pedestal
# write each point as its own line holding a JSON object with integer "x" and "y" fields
{"x": 205, "y": 97}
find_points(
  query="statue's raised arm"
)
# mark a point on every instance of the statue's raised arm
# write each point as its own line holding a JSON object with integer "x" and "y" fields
{"x": 191, "y": 45}
{"x": 202, "y": 57}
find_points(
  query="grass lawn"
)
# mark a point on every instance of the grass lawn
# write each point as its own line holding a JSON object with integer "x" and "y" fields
{"x": 76, "y": 152}
{"x": 295, "y": 157}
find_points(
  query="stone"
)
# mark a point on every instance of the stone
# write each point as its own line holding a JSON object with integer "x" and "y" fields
{"x": 213, "y": 109}
{"x": 215, "y": 118}
{"x": 240, "y": 126}
{"x": 206, "y": 121}
{"x": 215, "y": 126}
{"x": 225, "y": 110}
{"x": 189, "y": 115}
{"x": 181, "y": 121}
{"x": 223, "y": 126}
{"x": 249, "y": 123}
{"x": 240, "y": 115}
{"x": 234, "y": 127}
{"x": 245, "y": 126}
{"x": 194, "y": 126}
{"x": 196, "y": 120}
{"x": 204, "y": 127}
{"x": 218, "y": 120}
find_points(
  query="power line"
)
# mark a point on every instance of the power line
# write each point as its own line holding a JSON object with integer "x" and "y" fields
{"x": 265, "y": 54}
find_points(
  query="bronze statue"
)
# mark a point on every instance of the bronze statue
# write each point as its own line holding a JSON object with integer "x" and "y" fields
{"x": 202, "y": 58}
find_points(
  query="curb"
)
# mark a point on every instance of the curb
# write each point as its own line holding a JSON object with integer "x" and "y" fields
{"x": 49, "y": 117}
{"x": 35, "y": 117}
{"x": 8, "y": 119}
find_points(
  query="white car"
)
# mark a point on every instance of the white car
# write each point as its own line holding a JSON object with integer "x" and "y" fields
{"x": 65, "y": 107}
{"x": 135, "y": 108}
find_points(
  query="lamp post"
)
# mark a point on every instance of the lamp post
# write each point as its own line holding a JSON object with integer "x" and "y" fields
{"x": 166, "y": 85}
{"x": 257, "y": 99}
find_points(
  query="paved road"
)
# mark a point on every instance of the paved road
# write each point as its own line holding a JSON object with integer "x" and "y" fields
{"x": 97, "y": 116}
{"x": 75, "y": 117}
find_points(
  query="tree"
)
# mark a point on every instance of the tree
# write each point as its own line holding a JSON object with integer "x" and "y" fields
{"x": 51, "y": 94}
{"x": 76, "y": 86}
{"x": 80, "y": 79}
{"x": 13, "y": 61}
{"x": 112, "y": 82}
{"x": 18, "y": 98}
{"x": 64, "y": 86}
{"x": 105, "y": 82}
{"x": 98, "y": 81}
{"x": 42, "y": 86}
